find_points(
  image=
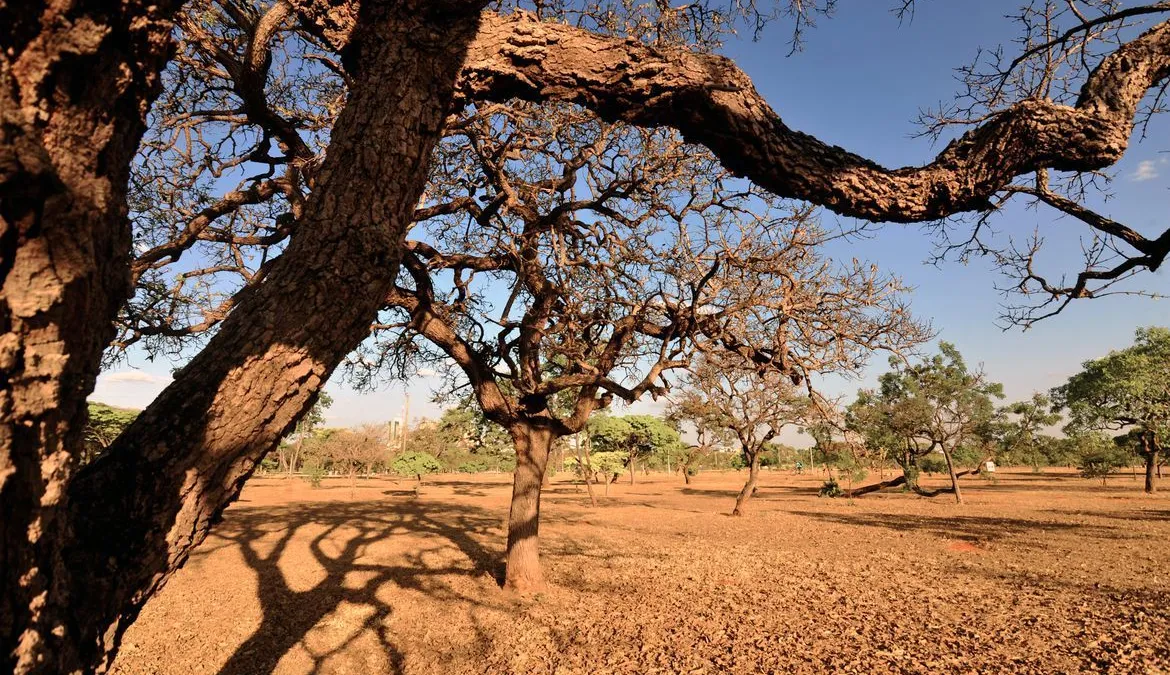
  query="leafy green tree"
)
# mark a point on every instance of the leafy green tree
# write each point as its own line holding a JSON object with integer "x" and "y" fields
{"x": 935, "y": 405}
{"x": 417, "y": 464}
{"x": 104, "y": 424}
{"x": 1021, "y": 432}
{"x": 638, "y": 436}
{"x": 1126, "y": 390}
{"x": 606, "y": 463}
{"x": 1096, "y": 455}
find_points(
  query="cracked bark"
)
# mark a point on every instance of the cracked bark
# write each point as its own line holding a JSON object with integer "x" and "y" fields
{"x": 137, "y": 512}
{"x": 712, "y": 102}
{"x": 76, "y": 81}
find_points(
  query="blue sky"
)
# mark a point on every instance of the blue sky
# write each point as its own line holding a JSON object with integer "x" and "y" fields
{"x": 859, "y": 83}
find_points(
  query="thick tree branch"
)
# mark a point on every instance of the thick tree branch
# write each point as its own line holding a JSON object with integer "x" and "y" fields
{"x": 712, "y": 102}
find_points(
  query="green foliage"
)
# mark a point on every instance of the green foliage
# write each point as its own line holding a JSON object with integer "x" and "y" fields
{"x": 1126, "y": 389}
{"x": 932, "y": 463}
{"x": 605, "y": 462}
{"x": 316, "y": 415}
{"x": 935, "y": 403}
{"x": 1021, "y": 437}
{"x": 830, "y": 488}
{"x": 1098, "y": 456}
{"x": 417, "y": 464}
{"x": 314, "y": 472}
{"x": 105, "y": 423}
{"x": 637, "y": 436}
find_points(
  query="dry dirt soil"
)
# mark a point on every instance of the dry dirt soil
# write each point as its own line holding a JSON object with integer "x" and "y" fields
{"x": 1035, "y": 574}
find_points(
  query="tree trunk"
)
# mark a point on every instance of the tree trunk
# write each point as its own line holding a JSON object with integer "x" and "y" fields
{"x": 1151, "y": 471}
{"x": 951, "y": 471}
{"x": 144, "y": 505}
{"x": 749, "y": 488}
{"x": 686, "y": 475}
{"x": 893, "y": 482}
{"x": 76, "y": 81}
{"x": 523, "y": 573}
{"x": 587, "y": 474}
{"x": 631, "y": 470}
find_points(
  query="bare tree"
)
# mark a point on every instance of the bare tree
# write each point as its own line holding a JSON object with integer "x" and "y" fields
{"x": 753, "y": 404}
{"x": 708, "y": 422}
{"x": 78, "y": 80}
{"x": 595, "y": 259}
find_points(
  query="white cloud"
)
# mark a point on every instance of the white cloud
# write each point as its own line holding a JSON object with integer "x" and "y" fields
{"x": 1147, "y": 169}
{"x": 135, "y": 376}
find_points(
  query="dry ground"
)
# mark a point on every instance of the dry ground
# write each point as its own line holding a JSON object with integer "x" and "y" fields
{"x": 1047, "y": 573}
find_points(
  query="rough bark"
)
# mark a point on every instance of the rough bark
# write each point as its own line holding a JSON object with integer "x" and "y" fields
{"x": 712, "y": 102}
{"x": 749, "y": 488}
{"x": 76, "y": 81}
{"x": 152, "y": 498}
{"x": 1151, "y": 471}
{"x": 523, "y": 573}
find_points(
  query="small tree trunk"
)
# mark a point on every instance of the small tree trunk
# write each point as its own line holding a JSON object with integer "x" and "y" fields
{"x": 686, "y": 475}
{"x": 523, "y": 573}
{"x": 1151, "y": 471}
{"x": 586, "y": 470}
{"x": 749, "y": 488}
{"x": 631, "y": 470}
{"x": 954, "y": 477}
{"x": 589, "y": 488}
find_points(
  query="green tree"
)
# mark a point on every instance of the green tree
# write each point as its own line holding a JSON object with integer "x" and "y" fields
{"x": 417, "y": 464}
{"x": 1126, "y": 390}
{"x": 289, "y": 455}
{"x": 935, "y": 405}
{"x": 1096, "y": 455}
{"x": 1021, "y": 432}
{"x": 104, "y": 424}
{"x": 639, "y": 437}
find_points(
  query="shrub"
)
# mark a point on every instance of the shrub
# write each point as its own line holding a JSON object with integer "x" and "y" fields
{"x": 830, "y": 488}
{"x": 933, "y": 463}
{"x": 314, "y": 472}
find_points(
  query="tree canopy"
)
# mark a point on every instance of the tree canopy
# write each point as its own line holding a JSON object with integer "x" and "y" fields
{"x": 1128, "y": 389}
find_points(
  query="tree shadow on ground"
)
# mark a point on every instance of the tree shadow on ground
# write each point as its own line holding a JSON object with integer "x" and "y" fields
{"x": 340, "y": 546}
{"x": 1151, "y": 515}
{"x": 967, "y": 528}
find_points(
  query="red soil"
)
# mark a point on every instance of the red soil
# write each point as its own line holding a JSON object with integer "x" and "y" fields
{"x": 1035, "y": 574}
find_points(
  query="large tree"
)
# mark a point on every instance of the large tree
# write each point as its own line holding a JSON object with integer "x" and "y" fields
{"x": 1126, "y": 390}
{"x": 594, "y": 260}
{"x": 83, "y": 551}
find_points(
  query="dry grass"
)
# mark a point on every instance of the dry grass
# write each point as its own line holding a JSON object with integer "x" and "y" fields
{"x": 1037, "y": 574}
